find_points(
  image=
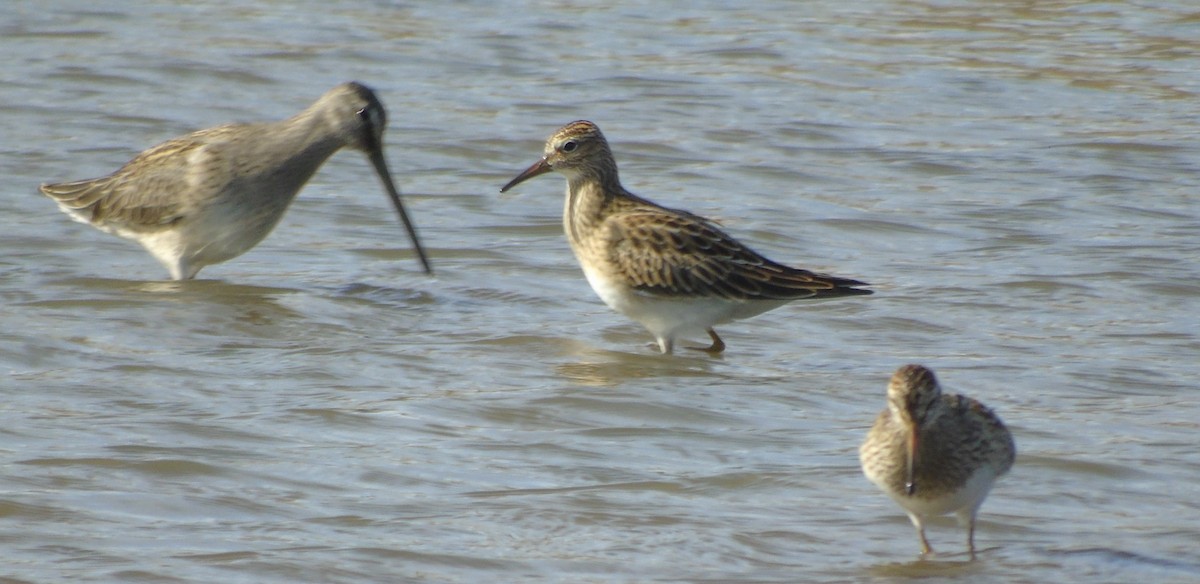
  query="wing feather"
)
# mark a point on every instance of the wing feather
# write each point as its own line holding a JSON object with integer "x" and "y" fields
{"x": 157, "y": 188}
{"x": 677, "y": 254}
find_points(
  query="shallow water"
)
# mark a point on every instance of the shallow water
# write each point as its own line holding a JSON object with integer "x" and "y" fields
{"x": 1017, "y": 180}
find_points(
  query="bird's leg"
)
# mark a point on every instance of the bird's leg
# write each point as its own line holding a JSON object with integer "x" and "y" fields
{"x": 925, "y": 549}
{"x": 916, "y": 521}
{"x": 971, "y": 536}
{"x": 666, "y": 345}
{"x": 716, "y": 348}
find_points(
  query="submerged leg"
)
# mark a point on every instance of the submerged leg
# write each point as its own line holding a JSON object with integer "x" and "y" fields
{"x": 971, "y": 536}
{"x": 180, "y": 270}
{"x": 666, "y": 345}
{"x": 967, "y": 516}
{"x": 716, "y": 348}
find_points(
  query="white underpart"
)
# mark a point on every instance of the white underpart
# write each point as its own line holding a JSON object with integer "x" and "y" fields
{"x": 668, "y": 318}
{"x": 964, "y": 502}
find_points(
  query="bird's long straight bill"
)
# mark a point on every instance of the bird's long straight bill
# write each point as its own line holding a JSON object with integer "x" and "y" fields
{"x": 910, "y": 484}
{"x": 385, "y": 177}
{"x": 539, "y": 167}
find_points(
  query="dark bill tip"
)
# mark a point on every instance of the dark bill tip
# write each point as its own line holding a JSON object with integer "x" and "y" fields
{"x": 376, "y": 156}
{"x": 539, "y": 167}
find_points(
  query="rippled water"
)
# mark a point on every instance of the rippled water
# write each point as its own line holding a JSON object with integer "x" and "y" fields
{"x": 1017, "y": 179}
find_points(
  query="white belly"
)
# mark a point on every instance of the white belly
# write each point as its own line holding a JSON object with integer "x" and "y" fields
{"x": 670, "y": 317}
{"x": 962, "y": 501}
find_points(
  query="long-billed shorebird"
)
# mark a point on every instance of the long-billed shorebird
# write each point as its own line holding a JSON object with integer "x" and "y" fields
{"x": 211, "y": 195}
{"x": 935, "y": 453}
{"x": 674, "y": 272}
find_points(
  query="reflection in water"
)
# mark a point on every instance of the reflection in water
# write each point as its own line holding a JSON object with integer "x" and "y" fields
{"x": 613, "y": 368}
{"x": 937, "y": 566}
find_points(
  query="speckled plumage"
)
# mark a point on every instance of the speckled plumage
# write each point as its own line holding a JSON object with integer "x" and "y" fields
{"x": 674, "y": 272}
{"x": 212, "y": 195}
{"x": 935, "y": 453}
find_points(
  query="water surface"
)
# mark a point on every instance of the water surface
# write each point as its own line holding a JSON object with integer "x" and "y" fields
{"x": 1017, "y": 180}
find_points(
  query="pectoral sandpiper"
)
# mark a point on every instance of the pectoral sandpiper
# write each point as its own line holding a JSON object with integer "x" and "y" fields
{"x": 935, "y": 453}
{"x": 210, "y": 196}
{"x": 674, "y": 272}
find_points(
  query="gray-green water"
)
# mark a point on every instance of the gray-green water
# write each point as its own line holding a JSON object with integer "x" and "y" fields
{"x": 1017, "y": 179}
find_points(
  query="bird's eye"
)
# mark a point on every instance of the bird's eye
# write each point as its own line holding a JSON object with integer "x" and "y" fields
{"x": 570, "y": 146}
{"x": 373, "y": 118}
